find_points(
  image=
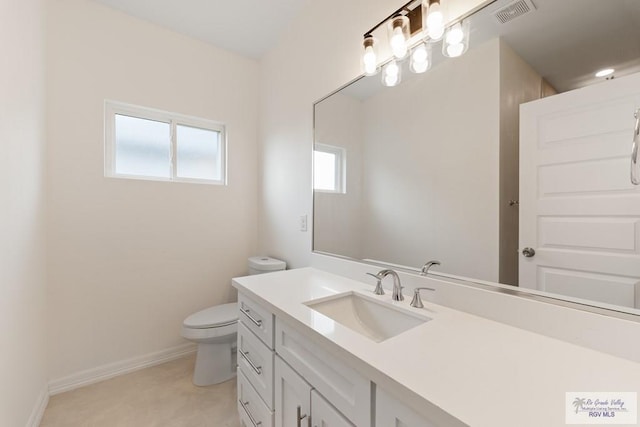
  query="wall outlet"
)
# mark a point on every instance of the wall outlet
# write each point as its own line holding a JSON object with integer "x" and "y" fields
{"x": 303, "y": 223}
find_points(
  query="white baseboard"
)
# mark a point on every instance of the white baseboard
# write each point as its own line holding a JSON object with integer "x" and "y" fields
{"x": 38, "y": 409}
{"x": 105, "y": 372}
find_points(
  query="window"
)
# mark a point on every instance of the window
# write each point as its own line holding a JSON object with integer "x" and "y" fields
{"x": 142, "y": 143}
{"x": 329, "y": 165}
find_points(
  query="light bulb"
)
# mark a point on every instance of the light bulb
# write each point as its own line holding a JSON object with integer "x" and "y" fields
{"x": 454, "y": 50}
{"x": 398, "y": 43}
{"x": 435, "y": 32}
{"x": 420, "y": 59}
{"x": 369, "y": 60}
{"x": 420, "y": 67}
{"x": 398, "y": 30}
{"x": 391, "y": 74}
{"x": 392, "y": 69}
{"x": 419, "y": 54}
{"x": 435, "y": 21}
{"x": 370, "y": 56}
{"x": 456, "y": 40}
{"x": 435, "y": 16}
{"x": 455, "y": 34}
{"x": 390, "y": 80}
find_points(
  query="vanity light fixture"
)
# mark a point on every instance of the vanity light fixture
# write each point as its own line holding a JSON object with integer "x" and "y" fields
{"x": 399, "y": 35}
{"x": 456, "y": 39}
{"x": 391, "y": 73}
{"x": 413, "y": 29}
{"x": 370, "y": 56}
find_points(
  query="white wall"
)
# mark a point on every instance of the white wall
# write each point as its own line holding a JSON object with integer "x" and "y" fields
{"x": 317, "y": 54}
{"x": 338, "y": 216}
{"x": 129, "y": 259}
{"x": 22, "y": 244}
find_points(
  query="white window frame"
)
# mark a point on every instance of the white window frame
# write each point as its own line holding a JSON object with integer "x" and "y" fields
{"x": 113, "y": 108}
{"x": 340, "y": 167}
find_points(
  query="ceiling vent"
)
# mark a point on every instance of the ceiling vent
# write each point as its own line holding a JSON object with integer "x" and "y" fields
{"x": 514, "y": 10}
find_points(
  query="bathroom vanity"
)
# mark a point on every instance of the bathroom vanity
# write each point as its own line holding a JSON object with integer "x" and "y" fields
{"x": 304, "y": 360}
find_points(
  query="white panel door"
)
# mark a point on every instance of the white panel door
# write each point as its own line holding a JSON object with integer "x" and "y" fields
{"x": 579, "y": 210}
{"x": 325, "y": 415}
{"x": 293, "y": 397}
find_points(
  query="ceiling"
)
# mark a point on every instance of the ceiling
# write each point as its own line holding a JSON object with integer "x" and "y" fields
{"x": 249, "y": 27}
{"x": 567, "y": 41}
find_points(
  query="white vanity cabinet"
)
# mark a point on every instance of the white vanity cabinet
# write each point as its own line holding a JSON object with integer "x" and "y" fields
{"x": 291, "y": 381}
{"x": 297, "y": 404}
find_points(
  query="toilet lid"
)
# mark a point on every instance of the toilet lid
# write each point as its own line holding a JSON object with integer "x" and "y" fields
{"x": 213, "y": 317}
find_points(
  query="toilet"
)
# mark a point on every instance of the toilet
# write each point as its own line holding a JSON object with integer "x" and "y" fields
{"x": 215, "y": 329}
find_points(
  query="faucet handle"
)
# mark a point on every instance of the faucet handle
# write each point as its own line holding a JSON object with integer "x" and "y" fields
{"x": 378, "y": 290}
{"x": 417, "y": 301}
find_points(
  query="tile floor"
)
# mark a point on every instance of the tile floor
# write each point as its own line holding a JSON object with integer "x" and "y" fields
{"x": 162, "y": 395}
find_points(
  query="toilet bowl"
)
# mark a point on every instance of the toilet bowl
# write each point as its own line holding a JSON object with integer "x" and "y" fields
{"x": 215, "y": 329}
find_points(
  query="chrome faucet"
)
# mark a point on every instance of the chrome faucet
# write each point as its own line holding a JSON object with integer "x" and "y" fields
{"x": 396, "y": 295}
{"x": 427, "y": 266}
{"x": 417, "y": 301}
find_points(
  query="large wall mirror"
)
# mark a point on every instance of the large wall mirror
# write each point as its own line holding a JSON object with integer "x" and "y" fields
{"x": 509, "y": 164}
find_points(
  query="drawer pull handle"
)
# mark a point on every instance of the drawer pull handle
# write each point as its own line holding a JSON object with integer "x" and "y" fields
{"x": 255, "y": 321}
{"x": 245, "y": 356}
{"x": 253, "y": 420}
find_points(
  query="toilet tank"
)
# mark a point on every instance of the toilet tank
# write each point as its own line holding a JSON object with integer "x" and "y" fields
{"x": 265, "y": 264}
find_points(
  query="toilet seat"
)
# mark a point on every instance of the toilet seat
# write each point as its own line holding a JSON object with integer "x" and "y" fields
{"x": 213, "y": 317}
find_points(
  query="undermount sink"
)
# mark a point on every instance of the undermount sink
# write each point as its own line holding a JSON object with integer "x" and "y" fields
{"x": 374, "y": 319}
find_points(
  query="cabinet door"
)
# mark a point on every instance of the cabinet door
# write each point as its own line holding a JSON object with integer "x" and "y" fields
{"x": 392, "y": 412}
{"x": 293, "y": 397}
{"x": 325, "y": 415}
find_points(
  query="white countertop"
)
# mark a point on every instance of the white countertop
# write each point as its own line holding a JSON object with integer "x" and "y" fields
{"x": 482, "y": 372}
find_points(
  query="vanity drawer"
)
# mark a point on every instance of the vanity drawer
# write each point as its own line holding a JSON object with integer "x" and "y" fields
{"x": 255, "y": 361}
{"x": 345, "y": 388}
{"x": 257, "y": 319}
{"x": 252, "y": 410}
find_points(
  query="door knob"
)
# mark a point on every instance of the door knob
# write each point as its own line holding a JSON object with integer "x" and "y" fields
{"x": 528, "y": 252}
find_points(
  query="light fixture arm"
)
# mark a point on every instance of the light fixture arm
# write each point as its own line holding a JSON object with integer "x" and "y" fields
{"x": 403, "y": 10}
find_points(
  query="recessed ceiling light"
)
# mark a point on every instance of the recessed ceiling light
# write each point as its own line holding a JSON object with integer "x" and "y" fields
{"x": 604, "y": 73}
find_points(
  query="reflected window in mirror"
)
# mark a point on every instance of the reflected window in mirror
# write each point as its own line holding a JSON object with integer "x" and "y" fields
{"x": 329, "y": 165}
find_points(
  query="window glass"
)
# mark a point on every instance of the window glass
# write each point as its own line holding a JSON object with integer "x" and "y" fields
{"x": 198, "y": 153}
{"x": 324, "y": 171}
{"x": 143, "y": 147}
{"x": 145, "y": 143}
